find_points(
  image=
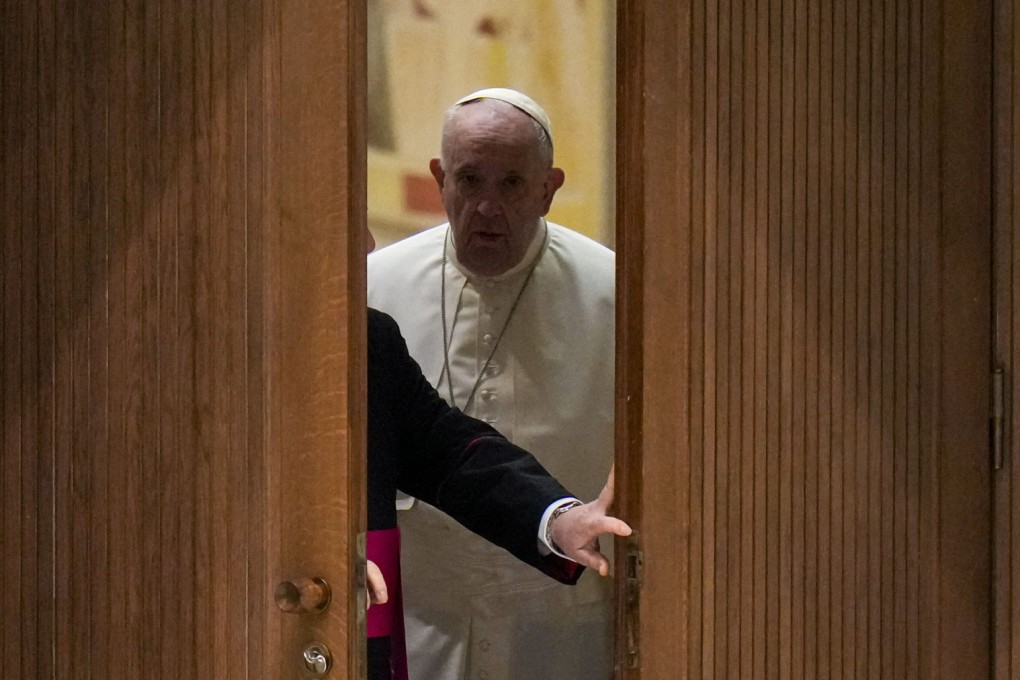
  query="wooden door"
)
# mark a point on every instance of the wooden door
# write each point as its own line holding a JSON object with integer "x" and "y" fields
{"x": 182, "y": 328}
{"x": 804, "y": 318}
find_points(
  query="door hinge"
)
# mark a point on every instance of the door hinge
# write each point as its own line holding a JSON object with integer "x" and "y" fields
{"x": 361, "y": 613}
{"x": 634, "y": 580}
{"x": 998, "y": 416}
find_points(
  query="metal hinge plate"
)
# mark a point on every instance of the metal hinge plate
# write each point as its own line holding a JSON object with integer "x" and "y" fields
{"x": 634, "y": 581}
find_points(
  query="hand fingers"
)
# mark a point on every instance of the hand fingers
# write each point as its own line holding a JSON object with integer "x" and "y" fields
{"x": 577, "y": 529}
{"x": 592, "y": 559}
{"x": 612, "y": 525}
{"x": 605, "y": 498}
{"x": 604, "y": 524}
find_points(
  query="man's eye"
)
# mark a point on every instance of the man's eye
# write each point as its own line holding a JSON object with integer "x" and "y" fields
{"x": 514, "y": 182}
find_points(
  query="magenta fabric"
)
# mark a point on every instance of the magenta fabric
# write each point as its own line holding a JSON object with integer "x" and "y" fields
{"x": 383, "y": 547}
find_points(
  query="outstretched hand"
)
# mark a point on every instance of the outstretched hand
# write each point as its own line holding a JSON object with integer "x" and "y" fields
{"x": 576, "y": 532}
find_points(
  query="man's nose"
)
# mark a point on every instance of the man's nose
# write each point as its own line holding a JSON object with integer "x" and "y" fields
{"x": 489, "y": 206}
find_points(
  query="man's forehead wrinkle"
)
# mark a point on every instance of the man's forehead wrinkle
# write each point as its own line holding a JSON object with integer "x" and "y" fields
{"x": 487, "y": 156}
{"x": 511, "y": 168}
{"x": 482, "y": 119}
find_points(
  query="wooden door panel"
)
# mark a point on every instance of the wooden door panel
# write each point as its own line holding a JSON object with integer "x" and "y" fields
{"x": 317, "y": 322}
{"x": 183, "y": 314}
{"x": 804, "y": 422}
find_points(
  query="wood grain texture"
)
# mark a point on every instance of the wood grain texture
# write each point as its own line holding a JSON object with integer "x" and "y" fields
{"x": 316, "y": 318}
{"x": 146, "y": 150}
{"x": 804, "y": 499}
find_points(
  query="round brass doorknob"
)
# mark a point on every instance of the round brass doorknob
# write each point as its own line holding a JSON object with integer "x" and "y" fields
{"x": 303, "y": 596}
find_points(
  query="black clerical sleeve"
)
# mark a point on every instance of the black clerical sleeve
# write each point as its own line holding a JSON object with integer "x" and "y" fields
{"x": 419, "y": 444}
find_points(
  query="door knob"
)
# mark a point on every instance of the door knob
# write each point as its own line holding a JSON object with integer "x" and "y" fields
{"x": 303, "y": 596}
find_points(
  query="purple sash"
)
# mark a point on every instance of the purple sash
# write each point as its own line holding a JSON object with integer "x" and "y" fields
{"x": 383, "y": 548}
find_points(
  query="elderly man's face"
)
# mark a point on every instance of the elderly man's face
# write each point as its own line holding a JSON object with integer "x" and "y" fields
{"x": 494, "y": 185}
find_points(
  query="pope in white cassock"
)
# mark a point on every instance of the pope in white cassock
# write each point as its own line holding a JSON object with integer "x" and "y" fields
{"x": 512, "y": 319}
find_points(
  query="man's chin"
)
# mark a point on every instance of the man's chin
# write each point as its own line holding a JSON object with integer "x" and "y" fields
{"x": 484, "y": 261}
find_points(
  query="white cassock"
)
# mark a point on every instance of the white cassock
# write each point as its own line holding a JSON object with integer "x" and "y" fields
{"x": 472, "y": 610}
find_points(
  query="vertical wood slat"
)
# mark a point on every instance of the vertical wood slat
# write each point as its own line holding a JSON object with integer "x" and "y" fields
{"x": 826, "y": 498}
{"x": 702, "y": 476}
{"x": 1011, "y": 604}
{"x": 628, "y": 366}
{"x": 744, "y": 120}
{"x": 112, "y": 228}
{"x": 92, "y": 529}
{"x": 170, "y": 546}
{"x": 914, "y": 334}
{"x": 63, "y": 98}
{"x": 130, "y": 227}
{"x": 29, "y": 363}
{"x": 185, "y": 380}
{"x": 1006, "y": 263}
{"x": 838, "y": 381}
{"x": 257, "y": 96}
{"x": 714, "y": 581}
{"x": 966, "y": 163}
{"x": 848, "y": 295}
{"x": 1008, "y": 506}
{"x": 771, "y": 332}
{"x": 901, "y": 530}
{"x": 761, "y": 641}
{"x": 717, "y": 332}
{"x": 813, "y": 452}
{"x": 746, "y": 117}
{"x": 929, "y": 357}
{"x": 149, "y": 33}
{"x": 783, "y": 260}
{"x": 13, "y": 401}
{"x": 862, "y": 397}
{"x": 216, "y": 281}
{"x": 204, "y": 353}
{"x": 812, "y": 220}
{"x": 134, "y": 176}
{"x": 672, "y": 341}
{"x": 238, "y": 538}
{"x": 237, "y": 529}
{"x": 43, "y": 98}
{"x": 799, "y": 349}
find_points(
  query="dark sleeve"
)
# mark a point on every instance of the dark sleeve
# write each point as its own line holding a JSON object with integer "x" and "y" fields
{"x": 457, "y": 463}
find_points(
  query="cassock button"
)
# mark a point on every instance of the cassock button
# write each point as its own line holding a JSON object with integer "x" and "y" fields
{"x": 487, "y": 338}
{"x": 484, "y": 645}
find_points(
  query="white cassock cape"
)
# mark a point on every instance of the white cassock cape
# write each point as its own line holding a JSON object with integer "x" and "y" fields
{"x": 472, "y": 610}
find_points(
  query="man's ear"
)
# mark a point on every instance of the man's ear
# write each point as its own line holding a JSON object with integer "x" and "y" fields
{"x": 553, "y": 181}
{"x": 436, "y": 168}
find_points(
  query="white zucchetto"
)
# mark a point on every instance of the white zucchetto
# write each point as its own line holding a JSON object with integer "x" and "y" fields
{"x": 516, "y": 99}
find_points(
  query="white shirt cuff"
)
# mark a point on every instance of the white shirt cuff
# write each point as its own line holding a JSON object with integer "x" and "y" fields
{"x": 544, "y": 547}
